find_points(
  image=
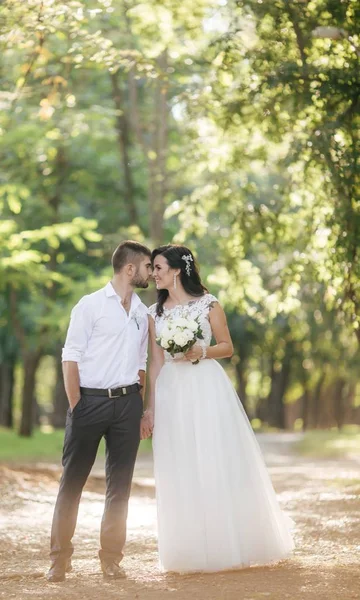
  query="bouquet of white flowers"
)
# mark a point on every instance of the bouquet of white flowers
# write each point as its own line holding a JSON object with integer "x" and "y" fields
{"x": 179, "y": 335}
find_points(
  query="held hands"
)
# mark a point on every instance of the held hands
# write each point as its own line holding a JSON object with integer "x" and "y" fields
{"x": 194, "y": 354}
{"x": 147, "y": 424}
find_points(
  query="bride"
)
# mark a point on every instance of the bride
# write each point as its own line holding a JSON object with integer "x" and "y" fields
{"x": 216, "y": 505}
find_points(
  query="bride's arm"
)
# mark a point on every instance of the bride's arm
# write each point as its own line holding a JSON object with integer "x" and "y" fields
{"x": 156, "y": 362}
{"x": 224, "y": 347}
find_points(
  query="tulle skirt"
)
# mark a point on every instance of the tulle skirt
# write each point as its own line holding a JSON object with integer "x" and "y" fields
{"x": 216, "y": 505}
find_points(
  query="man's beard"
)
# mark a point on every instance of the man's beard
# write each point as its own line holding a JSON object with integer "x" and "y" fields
{"x": 139, "y": 282}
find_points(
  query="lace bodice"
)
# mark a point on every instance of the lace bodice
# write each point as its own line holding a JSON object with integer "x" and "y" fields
{"x": 198, "y": 308}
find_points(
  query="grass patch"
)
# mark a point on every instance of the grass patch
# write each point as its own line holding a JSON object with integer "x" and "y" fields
{"x": 344, "y": 483}
{"x": 330, "y": 443}
{"x": 45, "y": 445}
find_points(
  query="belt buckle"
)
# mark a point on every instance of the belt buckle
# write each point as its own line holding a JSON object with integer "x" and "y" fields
{"x": 110, "y": 394}
{"x": 124, "y": 390}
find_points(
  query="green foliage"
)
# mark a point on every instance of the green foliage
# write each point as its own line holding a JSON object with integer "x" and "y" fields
{"x": 281, "y": 154}
{"x": 231, "y": 126}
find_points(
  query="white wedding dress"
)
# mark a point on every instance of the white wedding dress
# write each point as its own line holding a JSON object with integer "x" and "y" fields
{"x": 216, "y": 505}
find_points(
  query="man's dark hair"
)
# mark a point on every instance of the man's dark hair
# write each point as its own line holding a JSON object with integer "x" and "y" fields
{"x": 128, "y": 252}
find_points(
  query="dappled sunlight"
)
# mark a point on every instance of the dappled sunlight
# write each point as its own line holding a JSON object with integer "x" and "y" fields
{"x": 322, "y": 498}
{"x": 342, "y": 443}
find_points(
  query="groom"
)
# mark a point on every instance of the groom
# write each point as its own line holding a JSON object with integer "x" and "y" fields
{"x": 104, "y": 362}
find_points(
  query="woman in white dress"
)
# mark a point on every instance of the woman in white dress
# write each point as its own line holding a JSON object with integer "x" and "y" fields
{"x": 216, "y": 505}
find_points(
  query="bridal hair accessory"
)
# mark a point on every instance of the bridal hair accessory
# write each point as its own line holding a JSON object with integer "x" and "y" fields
{"x": 188, "y": 259}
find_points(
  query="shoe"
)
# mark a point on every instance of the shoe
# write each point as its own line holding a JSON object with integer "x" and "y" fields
{"x": 58, "y": 569}
{"x": 68, "y": 566}
{"x": 111, "y": 570}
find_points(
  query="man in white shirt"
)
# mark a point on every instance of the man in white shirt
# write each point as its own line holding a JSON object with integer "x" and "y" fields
{"x": 104, "y": 362}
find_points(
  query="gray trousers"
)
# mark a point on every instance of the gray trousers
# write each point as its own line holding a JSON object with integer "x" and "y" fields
{"x": 118, "y": 420}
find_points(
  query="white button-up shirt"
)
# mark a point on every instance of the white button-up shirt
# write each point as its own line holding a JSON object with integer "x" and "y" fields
{"x": 109, "y": 345}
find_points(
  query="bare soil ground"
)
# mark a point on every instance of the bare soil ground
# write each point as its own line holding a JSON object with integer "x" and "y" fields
{"x": 323, "y": 498}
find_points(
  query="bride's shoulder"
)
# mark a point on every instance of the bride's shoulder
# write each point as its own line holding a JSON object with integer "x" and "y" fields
{"x": 211, "y": 298}
{"x": 207, "y": 301}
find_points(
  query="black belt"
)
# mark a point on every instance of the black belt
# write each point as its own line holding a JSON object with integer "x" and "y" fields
{"x": 124, "y": 390}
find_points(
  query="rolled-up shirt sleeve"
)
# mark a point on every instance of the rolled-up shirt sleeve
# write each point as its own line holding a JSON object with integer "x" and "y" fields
{"x": 79, "y": 332}
{"x": 144, "y": 346}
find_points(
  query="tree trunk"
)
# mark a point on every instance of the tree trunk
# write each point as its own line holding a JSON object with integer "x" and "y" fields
{"x": 155, "y": 148}
{"x": 306, "y": 399}
{"x": 241, "y": 386}
{"x": 275, "y": 407}
{"x": 339, "y": 403}
{"x": 7, "y": 379}
{"x": 279, "y": 382}
{"x": 357, "y": 333}
{"x": 350, "y": 403}
{"x": 305, "y": 409}
{"x": 157, "y": 160}
{"x": 30, "y": 362}
{"x": 122, "y": 128}
{"x": 61, "y": 403}
{"x": 316, "y": 400}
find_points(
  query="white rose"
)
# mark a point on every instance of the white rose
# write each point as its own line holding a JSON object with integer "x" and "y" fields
{"x": 165, "y": 343}
{"x": 189, "y": 334}
{"x": 180, "y": 339}
{"x": 193, "y": 325}
{"x": 166, "y": 334}
{"x": 180, "y": 322}
{"x": 177, "y": 329}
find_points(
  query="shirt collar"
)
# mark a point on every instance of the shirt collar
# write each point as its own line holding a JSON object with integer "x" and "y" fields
{"x": 109, "y": 290}
{"x": 135, "y": 300}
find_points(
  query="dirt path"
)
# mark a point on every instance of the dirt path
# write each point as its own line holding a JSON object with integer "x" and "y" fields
{"x": 323, "y": 498}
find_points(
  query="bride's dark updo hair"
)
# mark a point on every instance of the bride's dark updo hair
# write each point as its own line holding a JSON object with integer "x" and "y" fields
{"x": 179, "y": 257}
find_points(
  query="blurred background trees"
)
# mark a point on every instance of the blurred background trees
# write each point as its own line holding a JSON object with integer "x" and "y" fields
{"x": 232, "y": 126}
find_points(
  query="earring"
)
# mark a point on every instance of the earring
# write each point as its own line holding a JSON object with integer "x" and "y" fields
{"x": 174, "y": 281}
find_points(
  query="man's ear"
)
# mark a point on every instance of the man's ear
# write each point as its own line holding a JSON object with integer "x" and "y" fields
{"x": 130, "y": 269}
